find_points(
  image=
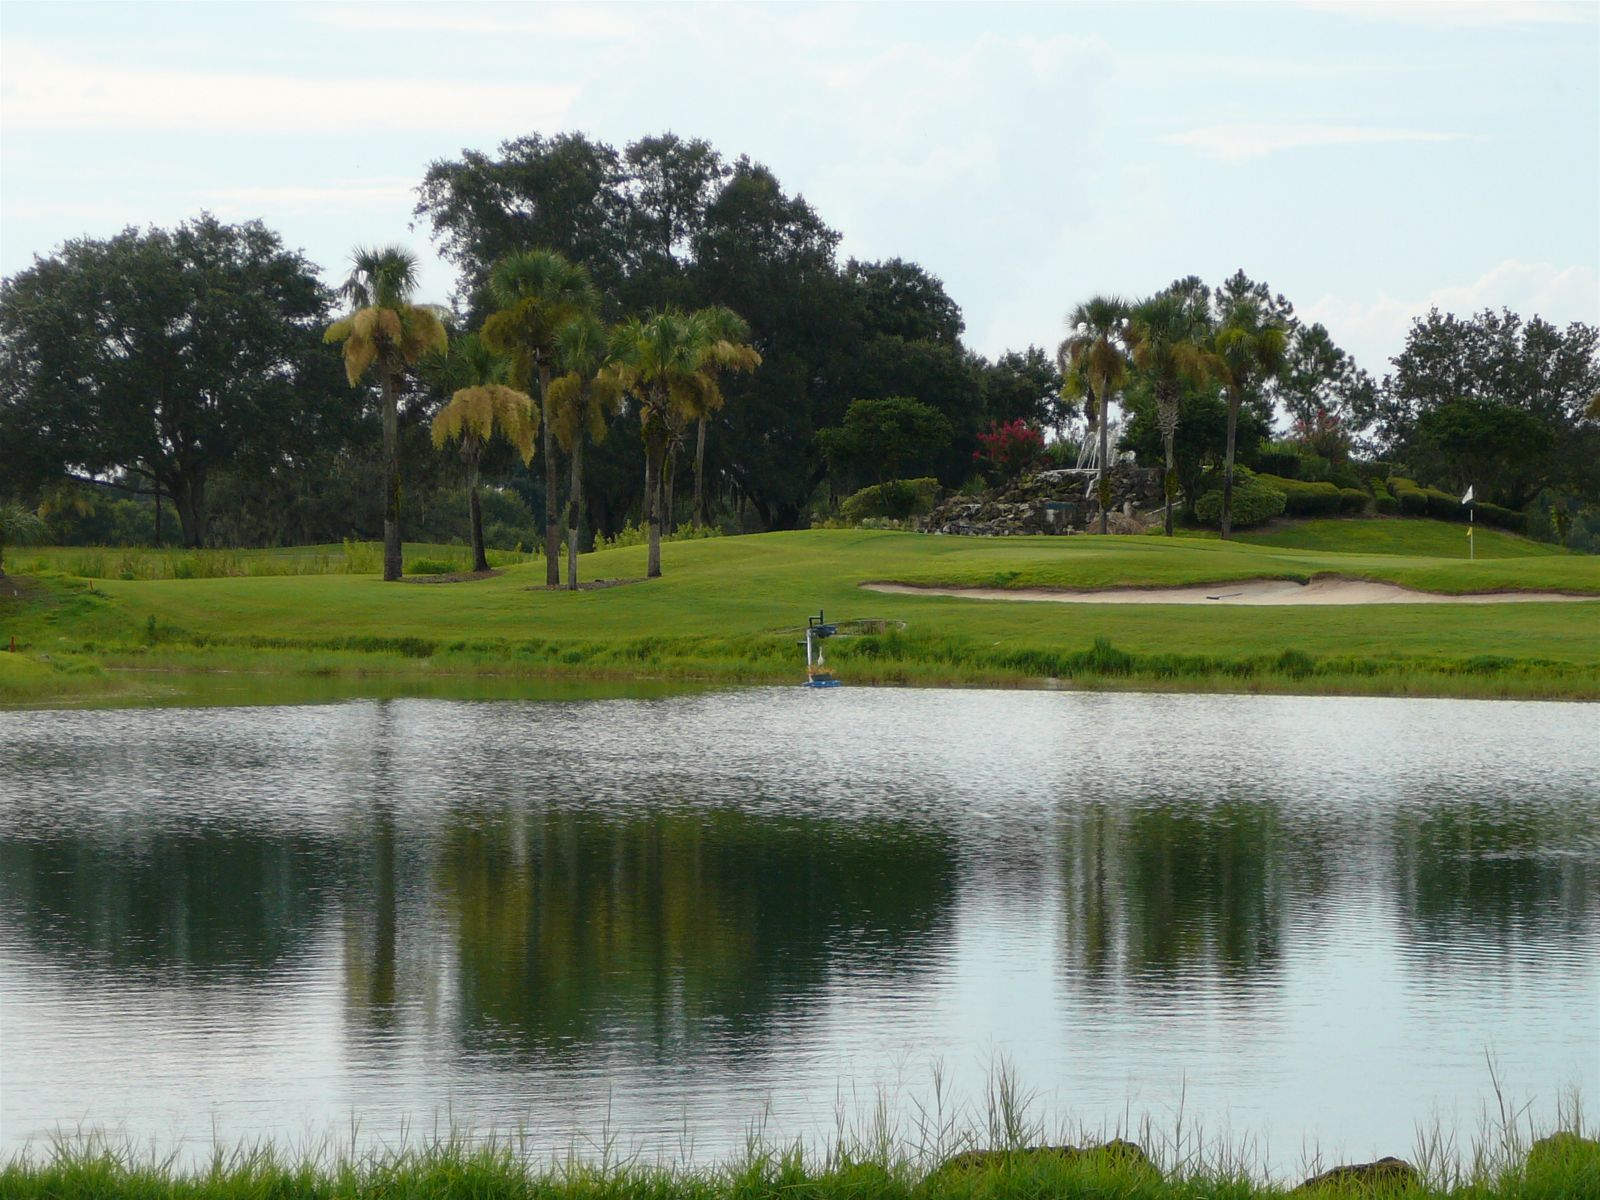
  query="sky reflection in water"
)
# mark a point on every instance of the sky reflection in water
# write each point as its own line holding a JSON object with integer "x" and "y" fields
{"x": 1305, "y": 917}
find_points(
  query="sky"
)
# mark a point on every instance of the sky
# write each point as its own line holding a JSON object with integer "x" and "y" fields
{"x": 1366, "y": 160}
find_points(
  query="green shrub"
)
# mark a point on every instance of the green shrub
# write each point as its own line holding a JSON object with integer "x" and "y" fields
{"x": 1384, "y": 503}
{"x": 362, "y": 558}
{"x": 639, "y": 535}
{"x": 1304, "y": 499}
{"x": 1443, "y": 506}
{"x": 897, "y": 500}
{"x": 1446, "y": 506}
{"x": 1314, "y": 468}
{"x": 1353, "y": 500}
{"x": 1254, "y": 500}
{"x": 1279, "y": 458}
{"x": 433, "y": 566}
{"x": 1503, "y": 518}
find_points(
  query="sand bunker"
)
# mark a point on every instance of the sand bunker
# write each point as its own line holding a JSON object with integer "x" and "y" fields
{"x": 1245, "y": 591}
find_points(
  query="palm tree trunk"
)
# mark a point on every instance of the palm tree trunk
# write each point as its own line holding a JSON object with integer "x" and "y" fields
{"x": 391, "y": 480}
{"x": 1105, "y": 461}
{"x": 1169, "y": 482}
{"x": 480, "y": 560}
{"x": 667, "y": 484}
{"x": 1167, "y": 415}
{"x": 552, "y": 516}
{"x": 652, "y": 507}
{"x": 1227, "y": 469}
{"x": 574, "y": 511}
{"x": 699, "y": 475}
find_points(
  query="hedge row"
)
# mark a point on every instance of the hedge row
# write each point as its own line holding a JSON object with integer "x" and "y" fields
{"x": 1254, "y": 501}
{"x": 1302, "y": 499}
{"x": 1443, "y": 506}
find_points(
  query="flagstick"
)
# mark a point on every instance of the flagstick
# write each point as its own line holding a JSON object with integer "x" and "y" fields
{"x": 1472, "y": 542}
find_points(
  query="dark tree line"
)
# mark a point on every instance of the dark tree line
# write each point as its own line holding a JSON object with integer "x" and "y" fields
{"x": 185, "y": 368}
{"x": 161, "y": 357}
{"x": 670, "y": 221}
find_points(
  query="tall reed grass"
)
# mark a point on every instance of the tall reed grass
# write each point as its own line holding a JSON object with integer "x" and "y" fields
{"x": 883, "y": 1150}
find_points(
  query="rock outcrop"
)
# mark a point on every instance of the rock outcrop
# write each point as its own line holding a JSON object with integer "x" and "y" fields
{"x": 1385, "y": 1177}
{"x": 1058, "y": 502}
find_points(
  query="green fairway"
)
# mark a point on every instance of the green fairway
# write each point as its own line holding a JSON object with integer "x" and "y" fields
{"x": 732, "y": 608}
{"x": 1394, "y": 535}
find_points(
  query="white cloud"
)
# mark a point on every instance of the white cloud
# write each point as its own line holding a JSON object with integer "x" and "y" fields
{"x": 1375, "y": 331}
{"x": 1463, "y": 13}
{"x": 569, "y": 21}
{"x": 1236, "y": 143}
{"x": 42, "y": 90}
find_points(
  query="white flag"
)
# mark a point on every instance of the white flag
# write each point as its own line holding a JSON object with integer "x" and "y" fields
{"x": 1467, "y": 499}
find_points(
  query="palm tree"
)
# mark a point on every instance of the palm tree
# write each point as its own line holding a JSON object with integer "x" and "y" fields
{"x": 1095, "y": 351}
{"x": 581, "y": 402}
{"x": 481, "y": 404}
{"x": 387, "y": 332}
{"x": 1248, "y": 348}
{"x": 657, "y": 361}
{"x": 670, "y": 361}
{"x": 538, "y": 292}
{"x": 18, "y": 527}
{"x": 1166, "y": 338}
{"x": 727, "y": 335}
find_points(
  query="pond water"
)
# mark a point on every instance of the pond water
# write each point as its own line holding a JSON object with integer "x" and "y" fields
{"x": 1296, "y": 919}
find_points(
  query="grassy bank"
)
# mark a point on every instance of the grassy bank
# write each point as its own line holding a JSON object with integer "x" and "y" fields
{"x": 731, "y": 609}
{"x": 1393, "y": 535}
{"x": 1564, "y": 1169}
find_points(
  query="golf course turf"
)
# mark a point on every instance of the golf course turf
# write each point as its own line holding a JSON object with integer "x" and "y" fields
{"x": 729, "y": 610}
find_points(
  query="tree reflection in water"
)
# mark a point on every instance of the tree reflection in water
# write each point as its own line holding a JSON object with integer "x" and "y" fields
{"x": 678, "y": 927}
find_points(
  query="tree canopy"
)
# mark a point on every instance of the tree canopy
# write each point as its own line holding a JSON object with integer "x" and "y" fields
{"x": 163, "y": 355}
{"x": 182, "y": 364}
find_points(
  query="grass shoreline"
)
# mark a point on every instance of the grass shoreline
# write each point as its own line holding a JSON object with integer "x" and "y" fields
{"x": 140, "y": 675}
{"x": 729, "y": 611}
{"x": 1025, "y": 1165}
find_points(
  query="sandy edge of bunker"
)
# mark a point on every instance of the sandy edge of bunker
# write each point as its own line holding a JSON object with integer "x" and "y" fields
{"x": 1327, "y": 589}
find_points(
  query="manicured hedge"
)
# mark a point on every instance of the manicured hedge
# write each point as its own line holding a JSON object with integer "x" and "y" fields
{"x": 1503, "y": 518}
{"x": 1279, "y": 459}
{"x": 897, "y": 499}
{"x": 1254, "y": 501}
{"x": 1304, "y": 499}
{"x": 1353, "y": 500}
{"x": 1383, "y": 502}
{"x": 1417, "y": 501}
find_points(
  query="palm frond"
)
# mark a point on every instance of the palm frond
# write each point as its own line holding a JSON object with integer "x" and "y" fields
{"x": 359, "y": 354}
{"x": 482, "y": 411}
{"x": 582, "y": 344}
{"x": 383, "y": 276}
{"x": 418, "y": 331}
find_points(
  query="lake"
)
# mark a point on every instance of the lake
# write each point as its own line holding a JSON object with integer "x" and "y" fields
{"x": 670, "y": 920}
